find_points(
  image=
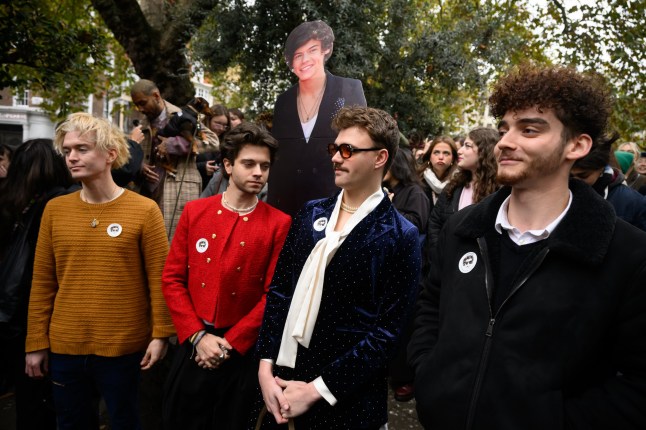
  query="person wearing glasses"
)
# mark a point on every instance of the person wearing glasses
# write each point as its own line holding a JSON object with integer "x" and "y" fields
{"x": 302, "y": 119}
{"x": 342, "y": 291}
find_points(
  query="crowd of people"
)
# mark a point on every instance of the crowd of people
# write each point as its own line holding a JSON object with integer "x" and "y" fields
{"x": 284, "y": 273}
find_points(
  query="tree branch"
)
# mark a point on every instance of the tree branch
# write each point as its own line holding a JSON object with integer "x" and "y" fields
{"x": 566, "y": 22}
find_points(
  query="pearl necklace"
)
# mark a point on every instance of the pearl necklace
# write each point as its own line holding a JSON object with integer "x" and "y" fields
{"x": 348, "y": 209}
{"x": 235, "y": 209}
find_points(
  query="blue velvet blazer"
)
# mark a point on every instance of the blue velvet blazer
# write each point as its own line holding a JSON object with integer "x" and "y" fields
{"x": 369, "y": 289}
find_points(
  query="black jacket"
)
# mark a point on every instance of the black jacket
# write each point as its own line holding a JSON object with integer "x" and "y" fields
{"x": 302, "y": 171}
{"x": 443, "y": 209}
{"x": 565, "y": 350}
{"x": 412, "y": 203}
{"x": 628, "y": 203}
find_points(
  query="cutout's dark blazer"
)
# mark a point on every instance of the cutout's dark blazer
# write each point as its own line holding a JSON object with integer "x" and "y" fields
{"x": 302, "y": 170}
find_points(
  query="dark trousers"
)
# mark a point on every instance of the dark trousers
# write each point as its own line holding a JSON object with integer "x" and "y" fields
{"x": 34, "y": 407}
{"x": 200, "y": 399}
{"x": 77, "y": 378}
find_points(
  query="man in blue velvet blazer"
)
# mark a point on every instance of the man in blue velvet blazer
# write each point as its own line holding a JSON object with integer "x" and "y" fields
{"x": 342, "y": 291}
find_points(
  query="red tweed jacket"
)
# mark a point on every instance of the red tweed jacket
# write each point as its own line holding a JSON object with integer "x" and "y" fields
{"x": 220, "y": 267}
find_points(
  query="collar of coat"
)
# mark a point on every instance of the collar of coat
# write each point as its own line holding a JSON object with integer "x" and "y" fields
{"x": 584, "y": 234}
{"x": 378, "y": 222}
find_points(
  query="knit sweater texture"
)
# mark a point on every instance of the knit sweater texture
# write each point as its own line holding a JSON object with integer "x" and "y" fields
{"x": 95, "y": 291}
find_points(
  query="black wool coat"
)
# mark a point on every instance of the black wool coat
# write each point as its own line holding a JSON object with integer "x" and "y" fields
{"x": 567, "y": 347}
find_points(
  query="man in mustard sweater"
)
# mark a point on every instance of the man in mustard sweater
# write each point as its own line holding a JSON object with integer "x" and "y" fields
{"x": 96, "y": 312}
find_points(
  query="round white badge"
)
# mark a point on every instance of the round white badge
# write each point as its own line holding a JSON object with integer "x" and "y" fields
{"x": 201, "y": 245}
{"x": 319, "y": 224}
{"x": 114, "y": 230}
{"x": 468, "y": 262}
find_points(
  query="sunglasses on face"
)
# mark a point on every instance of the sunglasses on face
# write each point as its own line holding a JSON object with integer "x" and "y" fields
{"x": 346, "y": 150}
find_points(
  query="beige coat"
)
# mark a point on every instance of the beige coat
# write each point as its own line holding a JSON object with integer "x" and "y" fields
{"x": 174, "y": 190}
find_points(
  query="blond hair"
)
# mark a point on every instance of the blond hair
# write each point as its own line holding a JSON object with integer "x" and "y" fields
{"x": 99, "y": 131}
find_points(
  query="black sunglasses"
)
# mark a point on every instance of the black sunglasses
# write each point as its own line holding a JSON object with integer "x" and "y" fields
{"x": 346, "y": 149}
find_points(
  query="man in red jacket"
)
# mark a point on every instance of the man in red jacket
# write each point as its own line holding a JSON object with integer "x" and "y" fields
{"x": 215, "y": 282}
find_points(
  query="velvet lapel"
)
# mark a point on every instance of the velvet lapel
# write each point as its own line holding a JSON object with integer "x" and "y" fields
{"x": 377, "y": 223}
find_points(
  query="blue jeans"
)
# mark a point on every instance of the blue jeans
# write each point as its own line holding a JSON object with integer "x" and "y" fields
{"x": 76, "y": 381}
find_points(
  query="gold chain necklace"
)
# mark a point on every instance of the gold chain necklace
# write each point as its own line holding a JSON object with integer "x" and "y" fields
{"x": 95, "y": 220}
{"x": 317, "y": 103}
{"x": 348, "y": 209}
{"x": 235, "y": 209}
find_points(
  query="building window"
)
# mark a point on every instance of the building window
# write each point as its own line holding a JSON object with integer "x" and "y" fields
{"x": 21, "y": 98}
{"x": 200, "y": 92}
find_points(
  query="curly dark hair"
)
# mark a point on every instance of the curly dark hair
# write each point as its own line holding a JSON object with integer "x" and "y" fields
{"x": 485, "y": 138}
{"x": 380, "y": 126}
{"x": 310, "y": 30}
{"x": 247, "y": 133}
{"x": 582, "y": 102}
{"x": 426, "y": 158}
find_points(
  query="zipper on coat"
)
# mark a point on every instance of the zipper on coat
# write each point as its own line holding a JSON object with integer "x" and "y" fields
{"x": 484, "y": 358}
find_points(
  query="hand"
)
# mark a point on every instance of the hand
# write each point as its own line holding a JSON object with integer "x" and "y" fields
{"x": 137, "y": 134}
{"x": 148, "y": 170}
{"x": 272, "y": 393}
{"x": 3, "y": 170}
{"x": 211, "y": 167}
{"x": 212, "y": 351}
{"x": 156, "y": 351}
{"x": 162, "y": 152}
{"x": 37, "y": 363}
{"x": 300, "y": 396}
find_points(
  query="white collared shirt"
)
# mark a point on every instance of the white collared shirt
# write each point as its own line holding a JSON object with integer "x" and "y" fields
{"x": 160, "y": 121}
{"x": 529, "y": 236}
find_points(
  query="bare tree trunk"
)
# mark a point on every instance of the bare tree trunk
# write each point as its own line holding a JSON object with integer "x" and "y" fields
{"x": 155, "y": 41}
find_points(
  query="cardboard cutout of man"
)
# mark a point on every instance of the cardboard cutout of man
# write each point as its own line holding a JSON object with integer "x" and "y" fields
{"x": 303, "y": 117}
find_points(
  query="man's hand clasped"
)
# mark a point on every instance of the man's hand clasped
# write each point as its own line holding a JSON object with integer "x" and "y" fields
{"x": 285, "y": 399}
{"x": 212, "y": 351}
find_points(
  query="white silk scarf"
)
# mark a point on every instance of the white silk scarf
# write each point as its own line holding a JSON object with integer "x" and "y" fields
{"x": 306, "y": 300}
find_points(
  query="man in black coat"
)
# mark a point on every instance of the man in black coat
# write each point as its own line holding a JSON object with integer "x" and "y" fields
{"x": 534, "y": 315}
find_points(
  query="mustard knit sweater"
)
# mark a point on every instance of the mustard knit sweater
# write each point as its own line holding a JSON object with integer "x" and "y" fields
{"x": 98, "y": 290}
